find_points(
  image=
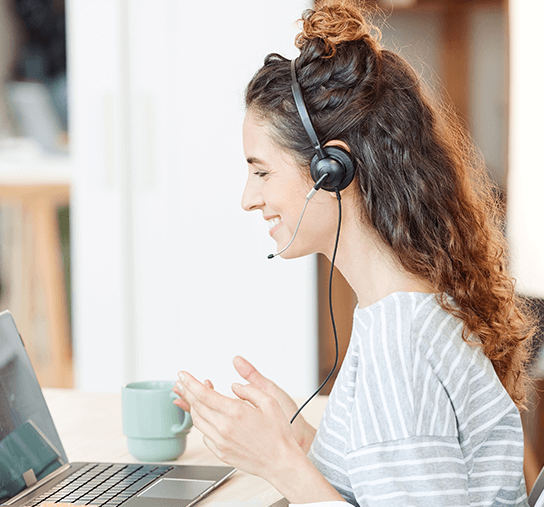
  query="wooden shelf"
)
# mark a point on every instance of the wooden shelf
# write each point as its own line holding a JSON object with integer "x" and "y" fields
{"x": 33, "y": 186}
{"x": 31, "y": 169}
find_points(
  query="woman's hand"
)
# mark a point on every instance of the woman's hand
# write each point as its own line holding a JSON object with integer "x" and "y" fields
{"x": 251, "y": 433}
{"x": 304, "y": 432}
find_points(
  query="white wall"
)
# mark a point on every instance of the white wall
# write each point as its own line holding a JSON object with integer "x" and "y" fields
{"x": 526, "y": 165}
{"x": 169, "y": 272}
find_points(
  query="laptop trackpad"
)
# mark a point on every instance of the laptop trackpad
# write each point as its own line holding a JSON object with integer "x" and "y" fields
{"x": 176, "y": 489}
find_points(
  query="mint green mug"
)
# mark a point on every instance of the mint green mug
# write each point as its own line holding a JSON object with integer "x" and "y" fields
{"x": 155, "y": 428}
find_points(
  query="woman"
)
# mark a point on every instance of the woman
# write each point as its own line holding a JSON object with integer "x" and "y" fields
{"x": 425, "y": 407}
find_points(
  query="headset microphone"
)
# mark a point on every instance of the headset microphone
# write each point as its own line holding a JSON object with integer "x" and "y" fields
{"x": 311, "y": 193}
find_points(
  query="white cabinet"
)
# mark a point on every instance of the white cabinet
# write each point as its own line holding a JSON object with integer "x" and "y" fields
{"x": 169, "y": 272}
{"x": 526, "y": 164}
{"x": 98, "y": 209}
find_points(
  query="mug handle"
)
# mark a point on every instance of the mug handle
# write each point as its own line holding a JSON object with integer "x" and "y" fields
{"x": 187, "y": 420}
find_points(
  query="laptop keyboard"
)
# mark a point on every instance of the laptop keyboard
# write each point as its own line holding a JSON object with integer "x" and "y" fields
{"x": 102, "y": 484}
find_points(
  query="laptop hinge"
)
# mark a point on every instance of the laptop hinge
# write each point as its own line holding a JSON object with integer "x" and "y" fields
{"x": 36, "y": 485}
{"x": 30, "y": 478}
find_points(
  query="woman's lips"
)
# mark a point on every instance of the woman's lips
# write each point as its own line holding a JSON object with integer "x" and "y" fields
{"x": 274, "y": 229}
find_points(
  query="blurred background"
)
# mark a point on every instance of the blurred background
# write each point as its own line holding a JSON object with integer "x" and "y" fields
{"x": 124, "y": 253}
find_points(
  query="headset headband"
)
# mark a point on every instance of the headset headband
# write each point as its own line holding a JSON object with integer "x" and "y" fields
{"x": 303, "y": 113}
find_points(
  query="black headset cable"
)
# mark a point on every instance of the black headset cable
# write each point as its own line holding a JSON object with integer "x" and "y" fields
{"x": 330, "y": 309}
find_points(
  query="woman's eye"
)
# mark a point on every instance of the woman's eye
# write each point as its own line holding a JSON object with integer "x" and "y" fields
{"x": 260, "y": 174}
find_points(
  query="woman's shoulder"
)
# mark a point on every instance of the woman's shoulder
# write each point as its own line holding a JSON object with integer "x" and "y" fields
{"x": 412, "y": 338}
{"x": 401, "y": 313}
{"x": 418, "y": 326}
{"x": 421, "y": 370}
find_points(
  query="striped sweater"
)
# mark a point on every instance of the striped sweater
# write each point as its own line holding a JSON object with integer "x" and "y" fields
{"x": 417, "y": 416}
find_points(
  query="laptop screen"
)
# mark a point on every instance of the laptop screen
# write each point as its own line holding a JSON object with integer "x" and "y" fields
{"x": 29, "y": 443}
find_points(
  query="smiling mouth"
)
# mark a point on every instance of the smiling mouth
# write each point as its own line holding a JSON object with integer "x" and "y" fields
{"x": 274, "y": 224}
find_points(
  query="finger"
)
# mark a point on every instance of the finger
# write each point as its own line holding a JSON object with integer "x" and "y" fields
{"x": 199, "y": 396}
{"x": 257, "y": 397}
{"x": 251, "y": 374}
{"x": 208, "y": 430}
{"x": 197, "y": 408}
{"x": 176, "y": 389}
{"x": 210, "y": 444}
{"x": 181, "y": 402}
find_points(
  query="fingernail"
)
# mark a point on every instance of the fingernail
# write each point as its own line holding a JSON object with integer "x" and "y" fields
{"x": 181, "y": 376}
{"x": 236, "y": 385}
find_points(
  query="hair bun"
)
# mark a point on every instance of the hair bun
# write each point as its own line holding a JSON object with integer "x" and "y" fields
{"x": 336, "y": 22}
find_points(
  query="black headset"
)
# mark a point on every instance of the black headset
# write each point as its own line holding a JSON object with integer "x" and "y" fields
{"x": 332, "y": 170}
{"x": 331, "y": 160}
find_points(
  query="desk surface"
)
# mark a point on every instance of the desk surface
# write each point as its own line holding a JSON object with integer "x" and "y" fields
{"x": 90, "y": 428}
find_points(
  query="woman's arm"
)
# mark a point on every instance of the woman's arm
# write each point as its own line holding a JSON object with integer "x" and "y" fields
{"x": 301, "y": 483}
{"x": 255, "y": 437}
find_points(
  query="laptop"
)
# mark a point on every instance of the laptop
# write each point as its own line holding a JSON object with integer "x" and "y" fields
{"x": 34, "y": 468}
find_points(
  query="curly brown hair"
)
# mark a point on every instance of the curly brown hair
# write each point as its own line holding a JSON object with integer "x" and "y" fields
{"x": 423, "y": 186}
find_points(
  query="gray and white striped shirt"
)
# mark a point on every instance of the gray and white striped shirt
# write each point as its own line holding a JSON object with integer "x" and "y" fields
{"x": 417, "y": 416}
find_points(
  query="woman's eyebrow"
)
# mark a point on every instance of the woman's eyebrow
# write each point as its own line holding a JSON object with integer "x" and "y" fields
{"x": 255, "y": 161}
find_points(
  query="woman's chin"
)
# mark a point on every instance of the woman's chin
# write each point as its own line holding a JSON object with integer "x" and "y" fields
{"x": 293, "y": 253}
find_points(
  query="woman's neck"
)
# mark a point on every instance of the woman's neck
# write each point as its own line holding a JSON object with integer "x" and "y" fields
{"x": 370, "y": 266}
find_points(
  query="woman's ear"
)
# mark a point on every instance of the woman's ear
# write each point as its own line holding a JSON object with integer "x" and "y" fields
{"x": 340, "y": 144}
{"x": 344, "y": 146}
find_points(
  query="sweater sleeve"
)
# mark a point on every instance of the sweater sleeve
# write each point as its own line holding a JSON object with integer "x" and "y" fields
{"x": 417, "y": 471}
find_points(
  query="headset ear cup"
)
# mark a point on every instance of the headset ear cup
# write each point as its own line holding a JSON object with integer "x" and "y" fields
{"x": 337, "y": 164}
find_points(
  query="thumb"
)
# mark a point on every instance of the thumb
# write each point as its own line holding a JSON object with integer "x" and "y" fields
{"x": 258, "y": 398}
{"x": 252, "y": 375}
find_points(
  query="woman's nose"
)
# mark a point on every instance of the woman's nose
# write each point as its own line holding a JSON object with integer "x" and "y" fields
{"x": 252, "y": 198}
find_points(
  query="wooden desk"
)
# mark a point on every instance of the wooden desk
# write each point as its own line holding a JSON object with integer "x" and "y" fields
{"x": 90, "y": 428}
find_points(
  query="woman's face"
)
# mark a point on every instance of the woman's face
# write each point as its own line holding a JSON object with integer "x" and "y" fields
{"x": 277, "y": 186}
